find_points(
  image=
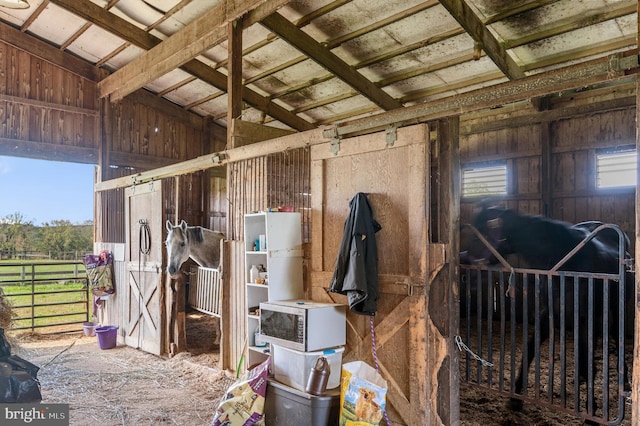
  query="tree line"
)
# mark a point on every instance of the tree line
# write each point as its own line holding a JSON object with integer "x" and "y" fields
{"x": 19, "y": 236}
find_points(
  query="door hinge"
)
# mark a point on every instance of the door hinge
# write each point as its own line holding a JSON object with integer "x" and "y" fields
{"x": 410, "y": 287}
{"x": 391, "y": 135}
{"x": 333, "y": 134}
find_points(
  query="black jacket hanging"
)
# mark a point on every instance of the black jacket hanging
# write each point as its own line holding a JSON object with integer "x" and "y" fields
{"x": 356, "y": 270}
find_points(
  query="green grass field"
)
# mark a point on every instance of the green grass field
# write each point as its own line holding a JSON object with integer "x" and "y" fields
{"x": 65, "y": 297}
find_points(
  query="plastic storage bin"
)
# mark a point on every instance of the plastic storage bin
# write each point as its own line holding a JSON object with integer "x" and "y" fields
{"x": 285, "y": 406}
{"x": 292, "y": 367}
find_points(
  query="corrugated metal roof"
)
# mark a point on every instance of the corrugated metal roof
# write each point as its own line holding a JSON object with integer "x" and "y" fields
{"x": 412, "y": 51}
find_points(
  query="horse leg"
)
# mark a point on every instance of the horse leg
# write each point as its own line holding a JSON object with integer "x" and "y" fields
{"x": 514, "y": 403}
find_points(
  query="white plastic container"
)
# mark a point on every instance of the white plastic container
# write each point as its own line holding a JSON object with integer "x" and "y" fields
{"x": 292, "y": 367}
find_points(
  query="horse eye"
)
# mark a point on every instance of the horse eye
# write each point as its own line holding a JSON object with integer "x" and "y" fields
{"x": 181, "y": 244}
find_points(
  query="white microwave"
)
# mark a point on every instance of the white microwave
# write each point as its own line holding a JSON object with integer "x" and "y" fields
{"x": 303, "y": 325}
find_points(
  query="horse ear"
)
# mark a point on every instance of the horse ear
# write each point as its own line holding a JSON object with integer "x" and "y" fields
{"x": 169, "y": 226}
{"x": 480, "y": 206}
{"x": 183, "y": 225}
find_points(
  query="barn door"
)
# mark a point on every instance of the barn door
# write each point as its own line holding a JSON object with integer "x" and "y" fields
{"x": 143, "y": 313}
{"x": 395, "y": 175}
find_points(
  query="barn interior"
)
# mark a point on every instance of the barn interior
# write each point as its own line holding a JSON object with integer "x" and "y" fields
{"x": 208, "y": 111}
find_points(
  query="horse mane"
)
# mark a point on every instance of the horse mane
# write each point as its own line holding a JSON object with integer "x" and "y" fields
{"x": 195, "y": 233}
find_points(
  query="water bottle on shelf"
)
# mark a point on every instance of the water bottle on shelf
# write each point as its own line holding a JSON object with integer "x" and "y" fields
{"x": 254, "y": 274}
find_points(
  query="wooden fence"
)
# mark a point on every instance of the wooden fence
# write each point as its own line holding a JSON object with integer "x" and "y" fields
{"x": 53, "y": 297}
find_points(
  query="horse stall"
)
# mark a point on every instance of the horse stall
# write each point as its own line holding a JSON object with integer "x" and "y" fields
{"x": 560, "y": 322}
{"x": 557, "y": 316}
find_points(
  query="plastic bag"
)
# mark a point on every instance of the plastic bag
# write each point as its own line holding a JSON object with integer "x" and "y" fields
{"x": 362, "y": 395}
{"x": 18, "y": 377}
{"x": 5, "y": 346}
{"x": 99, "y": 272}
{"x": 243, "y": 404}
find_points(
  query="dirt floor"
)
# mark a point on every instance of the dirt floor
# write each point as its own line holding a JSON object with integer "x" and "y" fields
{"x": 125, "y": 386}
{"x": 484, "y": 408}
{"x": 481, "y": 406}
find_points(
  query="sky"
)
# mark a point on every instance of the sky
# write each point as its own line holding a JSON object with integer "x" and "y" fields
{"x": 43, "y": 191}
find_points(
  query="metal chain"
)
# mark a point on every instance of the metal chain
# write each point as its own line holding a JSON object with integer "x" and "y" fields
{"x": 462, "y": 346}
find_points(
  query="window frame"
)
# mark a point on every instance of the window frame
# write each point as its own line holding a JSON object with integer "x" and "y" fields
{"x": 606, "y": 152}
{"x": 485, "y": 166}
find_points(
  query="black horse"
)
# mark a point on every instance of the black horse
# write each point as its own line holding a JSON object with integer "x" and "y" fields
{"x": 542, "y": 243}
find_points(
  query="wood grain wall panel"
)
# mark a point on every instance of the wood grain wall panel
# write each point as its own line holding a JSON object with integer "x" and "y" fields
{"x": 574, "y": 143}
{"x": 217, "y": 210}
{"x": 140, "y": 128}
{"x": 526, "y": 175}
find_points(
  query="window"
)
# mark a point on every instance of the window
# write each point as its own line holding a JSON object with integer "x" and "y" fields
{"x": 616, "y": 169}
{"x": 484, "y": 180}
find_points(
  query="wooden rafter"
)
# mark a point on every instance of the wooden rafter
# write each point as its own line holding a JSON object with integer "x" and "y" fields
{"x": 589, "y": 17}
{"x": 324, "y": 57}
{"x": 479, "y": 32}
{"x": 129, "y": 32}
{"x": 207, "y": 30}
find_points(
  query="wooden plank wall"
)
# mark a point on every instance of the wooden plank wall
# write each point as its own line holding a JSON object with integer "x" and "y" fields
{"x": 218, "y": 203}
{"x": 145, "y": 134}
{"x": 551, "y": 163}
{"x": 574, "y": 144}
{"x": 109, "y": 224}
{"x": 41, "y": 106}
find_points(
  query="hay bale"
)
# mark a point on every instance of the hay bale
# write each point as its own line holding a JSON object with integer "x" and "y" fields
{"x": 6, "y": 313}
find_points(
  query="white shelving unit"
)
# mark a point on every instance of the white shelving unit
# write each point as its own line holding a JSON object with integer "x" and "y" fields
{"x": 282, "y": 259}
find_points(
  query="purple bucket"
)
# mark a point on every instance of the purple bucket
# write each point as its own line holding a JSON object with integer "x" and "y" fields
{"x": 107, "y": 336}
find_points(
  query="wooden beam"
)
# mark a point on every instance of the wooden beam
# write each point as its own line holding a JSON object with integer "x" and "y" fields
{"x": 234, "y": 76}
{"x": 548, "y": 115}
{"x": 610, "y": 68}
{"x": 218, "y": 159}
{"x": 324, "y": 57}
{"x": 599, "y": 70}
{"x": 132, "y": 34}
{"x": 49, "y": 105}
{"x": 479, "y": 32}
{"x": 205, "y": 31}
